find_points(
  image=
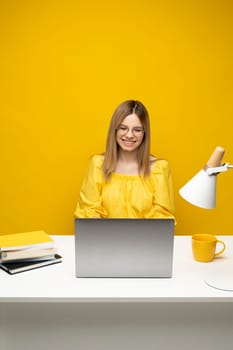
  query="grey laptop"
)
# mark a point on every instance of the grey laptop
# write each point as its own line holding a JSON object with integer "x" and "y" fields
{"x": 124, "y": 247}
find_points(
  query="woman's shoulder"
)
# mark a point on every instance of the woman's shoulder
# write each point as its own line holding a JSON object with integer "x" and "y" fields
{"x": 97, "y": 160}
{"x": 158, "y": 164}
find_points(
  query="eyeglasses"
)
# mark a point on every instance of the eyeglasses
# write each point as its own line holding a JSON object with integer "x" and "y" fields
{"x": 136, "y": 131}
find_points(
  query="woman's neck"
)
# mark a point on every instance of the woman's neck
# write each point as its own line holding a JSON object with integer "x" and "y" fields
{"x": 127, "y": 157}
{"x": 127, "y": 163}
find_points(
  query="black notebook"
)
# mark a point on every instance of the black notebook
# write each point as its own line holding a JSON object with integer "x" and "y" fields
{"x": 20, "y": 266}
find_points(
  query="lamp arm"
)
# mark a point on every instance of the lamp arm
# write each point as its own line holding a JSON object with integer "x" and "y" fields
{"x": 219, "y": 169}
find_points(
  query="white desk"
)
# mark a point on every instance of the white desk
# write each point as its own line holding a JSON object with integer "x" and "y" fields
{"x": 50, "y": 308}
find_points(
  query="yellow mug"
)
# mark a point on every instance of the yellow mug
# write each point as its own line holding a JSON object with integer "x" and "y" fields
{"x": 204, "y": 247}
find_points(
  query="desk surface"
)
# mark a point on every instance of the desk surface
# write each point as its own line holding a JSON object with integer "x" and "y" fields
{"x": 57, "y": 283}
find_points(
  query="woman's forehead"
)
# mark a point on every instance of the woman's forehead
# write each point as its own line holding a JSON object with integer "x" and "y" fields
{"x": 132, "y": 119}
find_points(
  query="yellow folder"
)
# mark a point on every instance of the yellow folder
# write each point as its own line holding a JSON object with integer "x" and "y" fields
{"x": 15, "y": 241}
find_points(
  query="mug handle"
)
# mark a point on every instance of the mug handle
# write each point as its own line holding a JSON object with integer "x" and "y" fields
{"x": 222, "y": 250}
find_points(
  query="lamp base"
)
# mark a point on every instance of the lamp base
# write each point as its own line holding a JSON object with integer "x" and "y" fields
{"x": 221, "y": 283}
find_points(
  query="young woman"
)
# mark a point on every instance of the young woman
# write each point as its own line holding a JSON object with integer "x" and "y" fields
{"x": 127, "y": 181}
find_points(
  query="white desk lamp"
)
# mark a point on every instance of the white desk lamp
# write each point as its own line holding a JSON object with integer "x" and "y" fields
{"x": 201, "y": 191}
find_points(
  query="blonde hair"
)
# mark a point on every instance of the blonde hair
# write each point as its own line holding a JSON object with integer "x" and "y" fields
{"x": 143, "y": 152}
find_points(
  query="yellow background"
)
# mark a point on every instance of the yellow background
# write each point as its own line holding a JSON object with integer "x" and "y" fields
{"x": 65, "y": 66}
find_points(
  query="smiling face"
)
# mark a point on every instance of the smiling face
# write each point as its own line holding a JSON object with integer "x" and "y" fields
{"x": 130, "y": 133}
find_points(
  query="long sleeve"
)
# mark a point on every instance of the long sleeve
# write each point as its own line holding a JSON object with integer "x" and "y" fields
{"x": 163, "y": 194}
{"x": 90, "y": 199}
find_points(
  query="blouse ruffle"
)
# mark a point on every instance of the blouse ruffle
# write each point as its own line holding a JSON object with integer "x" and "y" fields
{"x": 126, "y": 196}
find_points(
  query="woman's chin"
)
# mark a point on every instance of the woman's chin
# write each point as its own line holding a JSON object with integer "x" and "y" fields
{"x": 128, "y": 148}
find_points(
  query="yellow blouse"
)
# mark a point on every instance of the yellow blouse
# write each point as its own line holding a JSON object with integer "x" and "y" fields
{"x": 126, "y": 196}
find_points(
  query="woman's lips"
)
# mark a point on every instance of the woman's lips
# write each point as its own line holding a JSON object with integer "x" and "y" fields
{"x": 128, "y": 142}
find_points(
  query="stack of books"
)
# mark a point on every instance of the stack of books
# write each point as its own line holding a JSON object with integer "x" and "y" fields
{"x": 28, "y": 250}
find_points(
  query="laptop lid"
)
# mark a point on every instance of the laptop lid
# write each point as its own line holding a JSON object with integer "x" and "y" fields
{"x": 124, "y": 247}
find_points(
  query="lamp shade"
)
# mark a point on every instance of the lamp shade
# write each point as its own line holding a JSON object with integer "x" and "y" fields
{"x": 200, "y": 190}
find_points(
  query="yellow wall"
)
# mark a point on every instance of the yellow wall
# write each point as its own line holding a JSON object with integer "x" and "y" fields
{"x": 65, "y": 65}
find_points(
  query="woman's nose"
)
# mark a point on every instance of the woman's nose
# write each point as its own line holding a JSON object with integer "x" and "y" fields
{"x": 129, "y": 133}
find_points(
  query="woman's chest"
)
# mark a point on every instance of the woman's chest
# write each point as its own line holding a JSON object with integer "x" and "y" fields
{"x": 133, "y": 191}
